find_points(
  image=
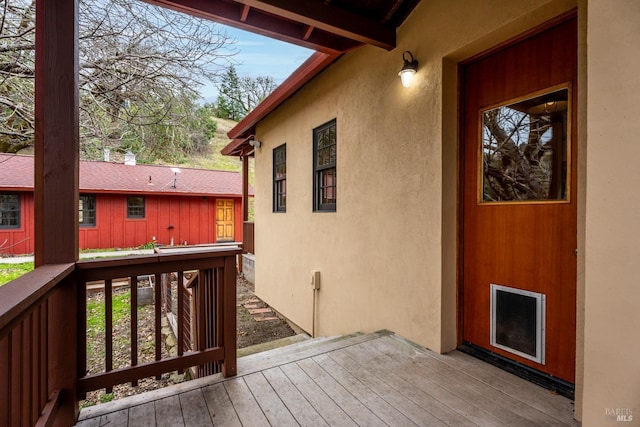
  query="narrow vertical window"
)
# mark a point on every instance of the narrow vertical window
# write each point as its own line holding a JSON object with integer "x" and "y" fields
{"x": 87, "y": 211}
{"x": 9, "y": 210}
{"x": 325, "y": 152}
{"x": 135, "y": 207}
{"x": 280, "y": 178}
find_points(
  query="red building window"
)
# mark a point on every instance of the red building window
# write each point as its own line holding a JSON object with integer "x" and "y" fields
{"x": 135, "y": 207}
{"x": 9, "y": 210}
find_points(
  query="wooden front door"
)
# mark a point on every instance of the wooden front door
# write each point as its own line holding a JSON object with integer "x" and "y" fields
{"x": 224, "y": 220}
{"x": 519, "y": 201}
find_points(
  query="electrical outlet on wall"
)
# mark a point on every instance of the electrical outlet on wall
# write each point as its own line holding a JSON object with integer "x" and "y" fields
{"x": 315, "y": 279}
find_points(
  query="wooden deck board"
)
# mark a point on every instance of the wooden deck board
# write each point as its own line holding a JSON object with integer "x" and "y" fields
{"x": 420, "y": 409}
{"x": 374, "y": 379}
{"x": 359, "y": 413}
{"x": 142, "y": 415}
{"x": 220, "y": 407}
{"x": 247, "y": 408}
{"x": 169, "y": 412}
{"x": 194, "y": 409}
{"x": 367, "y": 395}
{"x": 298, "y": 406}
{"x": 272, "y": 407}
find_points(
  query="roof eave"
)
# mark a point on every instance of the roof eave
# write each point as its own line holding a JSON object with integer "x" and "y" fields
{"x": 242, "y": 132}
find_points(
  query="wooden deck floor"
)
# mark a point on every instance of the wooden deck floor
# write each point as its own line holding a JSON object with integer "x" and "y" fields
{"x": 367, "y": 380}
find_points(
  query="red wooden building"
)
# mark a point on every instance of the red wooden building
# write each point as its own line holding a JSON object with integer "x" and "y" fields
{"x": 127, "y": 205}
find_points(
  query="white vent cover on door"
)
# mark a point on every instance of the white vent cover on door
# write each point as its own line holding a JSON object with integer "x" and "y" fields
{"x": 518, "y": 322}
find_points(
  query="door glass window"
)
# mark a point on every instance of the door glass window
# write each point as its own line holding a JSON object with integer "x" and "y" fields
{"x": 525, "y": 155}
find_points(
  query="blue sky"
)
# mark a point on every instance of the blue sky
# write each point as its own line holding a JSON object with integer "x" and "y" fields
{"x": 261, "y": 56}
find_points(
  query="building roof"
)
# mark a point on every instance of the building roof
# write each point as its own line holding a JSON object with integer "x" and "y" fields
{"x": 244, "y": 130}
{"x": 17, "y": 174}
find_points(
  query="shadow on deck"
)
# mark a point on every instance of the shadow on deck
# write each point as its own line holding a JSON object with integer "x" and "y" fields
{"x": 372, "y": 379}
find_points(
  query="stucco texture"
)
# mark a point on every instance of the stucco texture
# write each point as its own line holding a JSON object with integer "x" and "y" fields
{"x": 387, "y": 256}
{"x": 612, "y": 294}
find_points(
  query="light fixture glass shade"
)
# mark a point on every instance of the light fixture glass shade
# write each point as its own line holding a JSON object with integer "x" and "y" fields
{"x": 406, "y": 76}
{"x": 408, "y": 68}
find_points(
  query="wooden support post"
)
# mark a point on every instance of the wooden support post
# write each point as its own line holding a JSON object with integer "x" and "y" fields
{"x": 56, "y": 186}
{"x": 245, "y": 188}
{"x": 56, "y": 132}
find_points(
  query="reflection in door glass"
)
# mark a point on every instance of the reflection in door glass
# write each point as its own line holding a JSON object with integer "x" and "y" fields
{"x": 524, "y": 149}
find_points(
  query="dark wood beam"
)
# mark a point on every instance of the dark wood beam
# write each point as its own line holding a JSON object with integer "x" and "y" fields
{"x": 330, "y": 19}
{"x": 57, "y": 165}
{"x": 257, "y": 21}
{"x": 245, "y": 13}
{"x": 57, "y": 141}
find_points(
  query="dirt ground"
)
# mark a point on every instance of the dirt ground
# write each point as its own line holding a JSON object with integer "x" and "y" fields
{"x": 256, "y": 324}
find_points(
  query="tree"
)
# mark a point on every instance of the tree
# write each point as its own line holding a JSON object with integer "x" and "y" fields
{"x": 140, "y": 69}
{"x": 238, "y": 96}
{"x": 229, "y": 105}
{"x": 17, "y": 50}
{"x": 525, "y": 151}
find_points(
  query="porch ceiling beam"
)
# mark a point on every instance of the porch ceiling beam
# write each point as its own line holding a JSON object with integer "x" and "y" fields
{"x": 331, "y": 19}
{"x": 237, "y": 15}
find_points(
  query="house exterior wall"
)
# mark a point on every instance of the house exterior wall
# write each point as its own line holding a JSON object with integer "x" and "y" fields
{"x": 388, "y": 255}
{"x": 612, "y": 294}
{"x": 193, "y": 219}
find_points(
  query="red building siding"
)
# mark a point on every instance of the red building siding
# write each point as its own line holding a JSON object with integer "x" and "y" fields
{"x": 186, "y": 219}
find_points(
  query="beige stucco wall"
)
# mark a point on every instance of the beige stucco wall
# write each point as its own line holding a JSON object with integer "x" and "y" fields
{"x": 381, "y": 254}
{"x": 612, "y": 307}
{"x": 388, "y": 255}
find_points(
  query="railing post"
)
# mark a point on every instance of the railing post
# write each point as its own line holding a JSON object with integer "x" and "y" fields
{"x": 62, "y": 349}
{"x": 229, "y": 366}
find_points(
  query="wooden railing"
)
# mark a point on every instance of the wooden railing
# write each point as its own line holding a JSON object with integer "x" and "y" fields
{"x": 248, "y": 234}
{"x": 36, "y": 350}
{"x": 43, "y": 364}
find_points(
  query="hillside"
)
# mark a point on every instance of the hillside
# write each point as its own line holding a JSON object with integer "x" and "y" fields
{"x": 213, "y": 159}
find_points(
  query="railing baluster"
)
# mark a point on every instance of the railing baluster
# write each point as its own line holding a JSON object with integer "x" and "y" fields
{"x": 81, "y": 335}
{"x": 5, "y": 378}
{"x": 108, "y": 329}
{"x": 180, "y": 290}
{"x": 229, "y": 364}
{"x": 202, "y": 322}
{"x": 158, "y": 319}
{"x": 16, "y": 375}
{"x": 32, "y": 389}
{"x": 44, "y": 354}
{"x": 134, "y": 323}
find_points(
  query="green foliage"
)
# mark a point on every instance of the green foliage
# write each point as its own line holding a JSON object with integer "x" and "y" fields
{"x": 106, "y": 397}
{"x": 9, "y": 272}
{"x": 229, "y": 105}
{"x": 96, "y": 313}
{"x": 148, "y": 245}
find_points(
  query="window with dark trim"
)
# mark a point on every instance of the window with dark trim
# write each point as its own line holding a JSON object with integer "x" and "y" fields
{"x": 135, "y": 207}
{"x": 87, "y": 211}
{"x": 280, "y": 178}
{"x": 325, "y": 152}
{"x": 9, "y": 210}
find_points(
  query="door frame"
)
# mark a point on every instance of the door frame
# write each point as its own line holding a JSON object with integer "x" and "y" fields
{"x": 560, "y": 386}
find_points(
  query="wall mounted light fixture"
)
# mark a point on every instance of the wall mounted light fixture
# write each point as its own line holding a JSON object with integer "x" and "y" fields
{"x": 255, "y": 143}
{"x": 409, "y": 68}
